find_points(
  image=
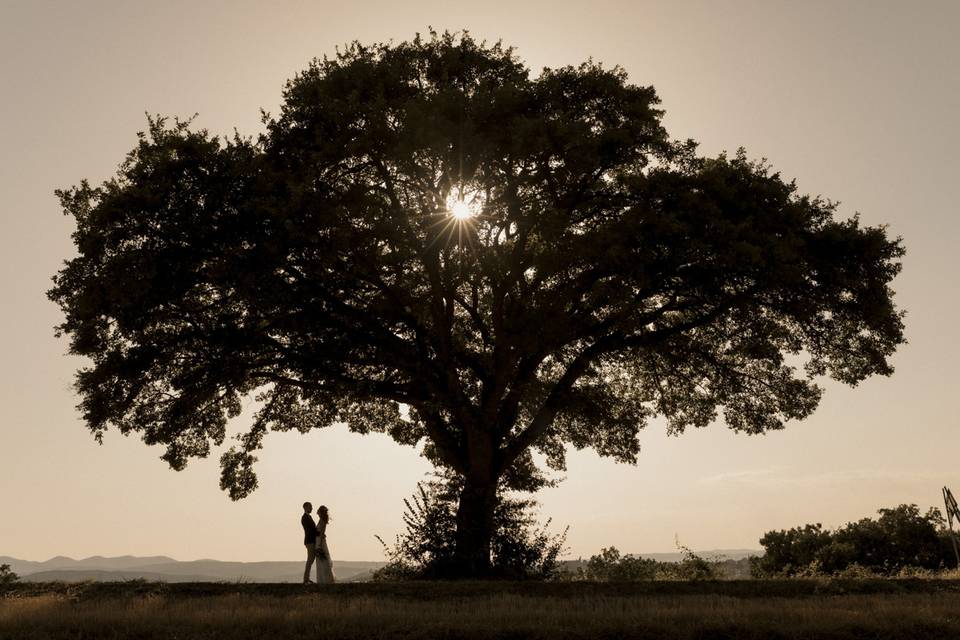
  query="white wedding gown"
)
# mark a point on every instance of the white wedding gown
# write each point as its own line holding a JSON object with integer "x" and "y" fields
{"x": 324, "y": 561}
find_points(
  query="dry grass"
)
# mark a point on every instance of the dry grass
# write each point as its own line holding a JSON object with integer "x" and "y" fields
{"x": 481, "y": 613}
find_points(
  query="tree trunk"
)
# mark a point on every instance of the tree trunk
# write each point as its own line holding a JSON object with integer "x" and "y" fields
{"x": 475, "y": 526}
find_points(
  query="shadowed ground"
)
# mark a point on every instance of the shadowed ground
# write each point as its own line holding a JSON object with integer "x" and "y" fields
{"x": 735, "y": 609}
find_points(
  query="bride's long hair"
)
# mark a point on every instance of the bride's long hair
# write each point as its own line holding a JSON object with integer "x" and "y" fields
{"x": 324, "y": 514}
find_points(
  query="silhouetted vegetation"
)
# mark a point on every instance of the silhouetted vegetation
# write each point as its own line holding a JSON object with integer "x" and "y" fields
{"x": 610, "y": 566}
{"x": 522, "y": 548}
{"x": 7, "y": 576}
{"x": 900, "y": 540}
{"x": 596, "y": 274}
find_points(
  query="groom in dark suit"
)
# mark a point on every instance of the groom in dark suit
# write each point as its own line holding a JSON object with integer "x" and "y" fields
{"x": 309, "y": 539}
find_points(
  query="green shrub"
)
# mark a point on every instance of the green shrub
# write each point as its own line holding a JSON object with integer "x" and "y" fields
{"x": 695, "y": 567}
{"x": 520, "y": 549}
{"x": 900, "y": 539}
{"x": 7, "y": 576}
{"x": 610, "y": 566}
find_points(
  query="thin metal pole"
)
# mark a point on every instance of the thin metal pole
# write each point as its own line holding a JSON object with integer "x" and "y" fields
{"x": 952, "y": 512}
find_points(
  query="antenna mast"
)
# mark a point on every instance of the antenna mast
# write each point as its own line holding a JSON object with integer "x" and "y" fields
{"x": 953, "y": 513}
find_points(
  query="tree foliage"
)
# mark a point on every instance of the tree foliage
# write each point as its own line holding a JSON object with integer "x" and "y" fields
{"x": 610, "y": 274}
{"x": 7, "y": 576}
{"x": 900, "y": 538}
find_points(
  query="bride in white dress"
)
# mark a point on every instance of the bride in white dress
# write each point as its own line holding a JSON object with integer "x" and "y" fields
{"x": 324, "y": 561}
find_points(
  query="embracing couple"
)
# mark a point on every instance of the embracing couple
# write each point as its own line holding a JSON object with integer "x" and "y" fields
{"x": 315, "y": 539}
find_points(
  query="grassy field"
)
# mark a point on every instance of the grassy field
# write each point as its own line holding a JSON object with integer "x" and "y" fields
{"x": 841, "y": 609}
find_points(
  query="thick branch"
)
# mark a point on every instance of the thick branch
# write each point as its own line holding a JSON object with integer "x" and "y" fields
{"x": 552, "y": 405}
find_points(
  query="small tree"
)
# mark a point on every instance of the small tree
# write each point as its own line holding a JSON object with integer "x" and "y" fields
{"x": 788, "y": 550}
{"x": 693, "y": 566}
{"x": 7, "y": 576}
{"x": 900, "y": 537}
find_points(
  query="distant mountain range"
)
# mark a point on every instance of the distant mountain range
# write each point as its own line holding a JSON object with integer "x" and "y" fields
{"x": 166, "y": 569}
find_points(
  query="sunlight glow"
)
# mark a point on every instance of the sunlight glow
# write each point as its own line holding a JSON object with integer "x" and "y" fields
{"x": 460, "y": 209}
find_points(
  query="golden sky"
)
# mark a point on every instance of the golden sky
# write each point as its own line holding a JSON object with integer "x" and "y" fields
{"x": 856, "y": 100}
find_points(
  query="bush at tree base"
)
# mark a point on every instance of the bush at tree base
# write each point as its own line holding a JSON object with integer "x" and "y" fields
{"x": 520, "y": 549}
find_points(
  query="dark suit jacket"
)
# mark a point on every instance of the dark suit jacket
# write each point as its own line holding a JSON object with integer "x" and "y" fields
{"x": 309, "y": 529}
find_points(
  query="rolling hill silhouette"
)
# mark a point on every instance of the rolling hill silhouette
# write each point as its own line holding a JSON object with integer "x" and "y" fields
{"x": 167, "y": 569}
{"x": 164, "y": 568}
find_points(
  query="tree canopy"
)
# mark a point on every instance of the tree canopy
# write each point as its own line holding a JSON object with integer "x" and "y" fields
{"x": 902, "y": 538}
{"x": 432, "y": 242}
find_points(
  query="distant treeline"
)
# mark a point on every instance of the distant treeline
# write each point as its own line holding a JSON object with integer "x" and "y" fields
{"x": 610, "y": 566}
{"x": 900, "y": 540}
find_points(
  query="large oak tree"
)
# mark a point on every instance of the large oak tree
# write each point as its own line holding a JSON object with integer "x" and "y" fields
{"x": 430, "y": 242}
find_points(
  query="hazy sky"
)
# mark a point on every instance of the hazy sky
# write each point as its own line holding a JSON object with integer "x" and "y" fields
{"x": 856, "y": 100}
